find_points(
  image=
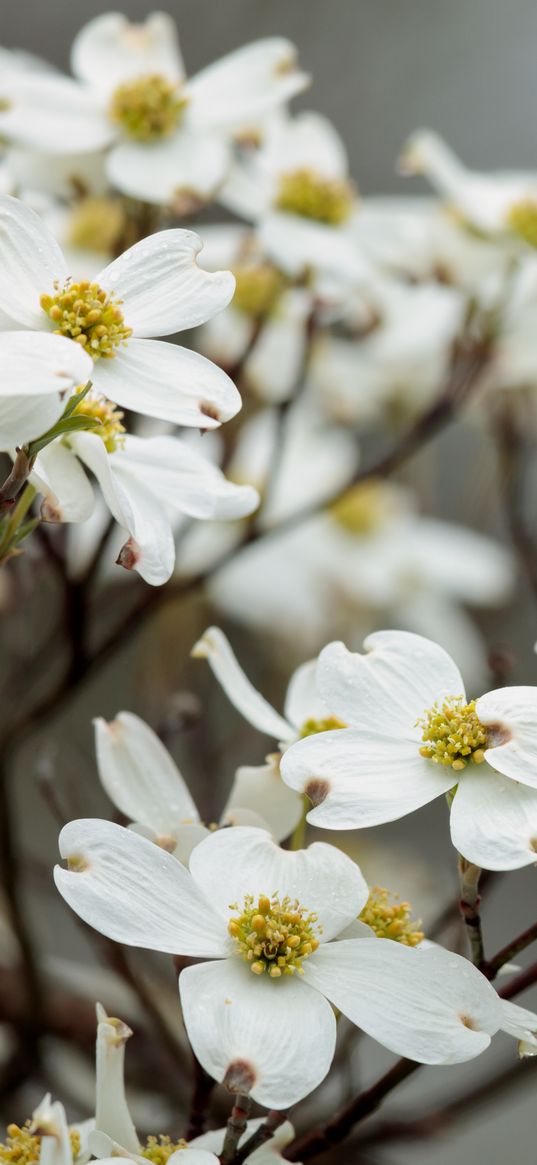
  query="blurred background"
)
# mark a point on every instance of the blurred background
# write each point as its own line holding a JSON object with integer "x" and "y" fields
{"x": 381, "y": 68}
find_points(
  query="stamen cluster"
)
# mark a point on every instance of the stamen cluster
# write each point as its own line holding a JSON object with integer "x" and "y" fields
{"x": 147, "y": 108}
{"x": 159, "y": 1149}
{"x": 391, "y": 919}
{"x": 23, "y": 1147}
{"x": 111, "y": 429}
{"x": 312, "y": 727}
{"x": 274, "y": 936}
{"x": 522, "y": 219}
{"x": 258, "y": 288}
{"x": 86, "y": 313}
{"x": 327, "y": 200}
{"x": 97, "y": 224}
{"x": 453, "y": 735}
{"x": 362, "y": 509}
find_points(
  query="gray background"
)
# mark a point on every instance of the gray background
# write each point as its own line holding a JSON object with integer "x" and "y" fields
{"x": 381, "y": 68}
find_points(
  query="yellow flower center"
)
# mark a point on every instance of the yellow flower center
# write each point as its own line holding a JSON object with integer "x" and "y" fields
{"x": 147, "y": 108}
{"x": 22, "y": 1147}
{"x": 111, "y": 429}
{"x": 327, "y": 200}
{"x": 273, "y": 935}
{"x": 453, "y": 735}
{"x": 159, "y": 1149}
{"x": 97, "y": 224}
{"x": 86, "y": 313}
{"x": 312, "y": 727}
{"x": 258, "y": 288}
{"x": 363, "y": 508}
{"x": 522, "y": 219}
{"x": 390, "y": 918}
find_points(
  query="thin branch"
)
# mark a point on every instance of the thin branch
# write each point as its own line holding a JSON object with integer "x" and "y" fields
{"x": 469, "y": 876}
{"x": 264, "y": 1133}
{"x": 521, "y": 982}
{"x": 235, "y": 1129}
{"x": 510, "y": 951}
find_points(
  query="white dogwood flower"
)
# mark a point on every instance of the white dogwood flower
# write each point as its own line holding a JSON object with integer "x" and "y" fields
{"x": 143, "y": 781}
{"x": 154, "y": 288}
{"x": 37, "y": 373}
{"x": 259, "y": 1014}
{"x": 169, "y": 137}
{"x": 412, "y": 735}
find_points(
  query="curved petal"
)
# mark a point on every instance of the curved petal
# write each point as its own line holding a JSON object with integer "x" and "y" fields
{"x": 245, "y": 85}
{"x": 296, "y": 244}
{"x": 162, "y": 287}
{"x": 520, "y": 1023}
{"x": 31, "y": 261}
{"x": 494, "y": 820}
{"x": 24, "y": 418}
{"x": 180, "y": 172}
{"x": 112, "y": 1115}
{"x": 510, "y": 714}
{"x": 140, "y": 776}
{"x": 432, "y": 1006}
{"x": 356, "y": 778}
{"x": 278, "y": 1036}
{"x": 302, "y": 700}
{"x": 68, "y": 495}
{"x": 273, "y": 367}
{"x": 163, "y": 380}
{"x": 306, "y": 141}
{"x": 35, "y": 363}
{"x": 216, "y": 649}
{"x": 110, "y": 49}
{"x": 135, "y": 893}
{"x": 261, "y": 789}
{"x": 237, "y": 862}
{"x": 54, "y": 115}
{"x": 135, "y": 508}
{"x": 391, "y": 686}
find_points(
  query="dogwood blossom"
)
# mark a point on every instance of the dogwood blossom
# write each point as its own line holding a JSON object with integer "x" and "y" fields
{"x": 37, "y": 372}
{"x": 411, "y": 735}
{"x": 155, "y": 287}
{"x": 143, "y": 781}
{"x": 258, "y": 1014}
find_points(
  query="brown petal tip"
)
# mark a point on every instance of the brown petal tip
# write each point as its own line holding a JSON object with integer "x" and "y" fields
{"x": 129, "y": 555}
{"x": 317, "y": 790}
{"x": 240, "y": 1077}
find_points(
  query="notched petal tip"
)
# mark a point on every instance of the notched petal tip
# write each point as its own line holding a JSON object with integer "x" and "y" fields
{"x": 498, "y": 734}
{"x": 129, "y": 555}
{"x": 77, "y": 864}
{"x": 240, "y": 1077}
{"x": 49, "y": 512}
{"x": 317, "y": 789}
{"x": 209, "y": 410}
{"x": 205, "y": 646}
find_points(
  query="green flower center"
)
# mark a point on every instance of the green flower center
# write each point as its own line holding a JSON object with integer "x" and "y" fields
{"x": 363, "y": 508}
{"x": 453, "y": 734}
{"x": 327, "y": 200}
{"x": 273, "y": 935}
{"x": 311, "y": 727}
{"x": 110, "y": 428}
{"x": 522, "y": 219}
{"x": 23, "y": 1147}
{"x": 159, "y": 1149}
{"x": 258, "y": 289}
{"x": 390, "y": 918}
{"x": 97, "y": 224}
{"x": 89, "y": 315}
{"x": 147, "y": 108}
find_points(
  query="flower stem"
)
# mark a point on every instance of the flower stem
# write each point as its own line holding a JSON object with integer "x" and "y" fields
{"x": 15, "y": 518}
{"x": 261, "y": 1135}
{"x": 298, "y": 837}
{"x": 236, "y": 1126}
{"x": 470, "y": 900}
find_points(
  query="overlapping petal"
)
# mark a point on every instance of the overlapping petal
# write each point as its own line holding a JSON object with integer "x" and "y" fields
{"x": 215, "y": 648}
{"x": 510, "y": 714}
{"x": 260, "y": 789}
{"x": 31, "y": 261}
{"x": 245, "y": 85}
{"x": 494, "y": 820}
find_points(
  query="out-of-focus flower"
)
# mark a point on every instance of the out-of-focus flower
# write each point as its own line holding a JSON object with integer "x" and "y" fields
{"x": 410, "y": 736}
{"x": 144, "y": 782}
{"x": 259, "y": 1016}
{"x": 48, "y": 1138}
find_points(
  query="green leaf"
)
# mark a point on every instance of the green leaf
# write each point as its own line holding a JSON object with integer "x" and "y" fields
{"x": 70, "y": 424}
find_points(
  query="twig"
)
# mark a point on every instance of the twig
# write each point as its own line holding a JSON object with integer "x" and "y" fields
{"x": 236, "y": 1127}
{"x": 264, "y": 1133}
{"x": 521, "y": 982}
{"x": 510, "y": 951}
{"x": 470, "y": 902}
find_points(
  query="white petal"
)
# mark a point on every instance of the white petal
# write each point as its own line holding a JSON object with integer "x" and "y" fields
{"x": 214, "y": 1141}
{"x": 273, "y": 368}
{"x": 302, "y": 700}
{"x": 54, "y": 115}
{"x": 31, "y": 261}
{"x": 494, "y": 820}
{"x": 133, "y": 506}
{"x": 463, "y": 563}
{"x": 112, "y": 1116}
{"x": 140, "y": 776}
{"x": 162, "y": 287}
{"x": 511, "y": 713}
{"x": 432, "y": 1006}
{"x": 519, "y": 1022}
{"x": 214, "y": 647}
{"x": 296, "y": 244}
{"x": 32, "y": 363}
{"x": 68, "y": 495}
{"x": 170, "y": 173}
{"x": 163, "y": 380}
{"x": 357, "y": 778}
{"x": 24, "y": 418}
{"x": 110, "y": 49}
{"x": 282, "y": 1032}
{"x": 135, "y": 893}
{"x": 193, "y": 1157}
{"x": 261, "y": 789}
{"x": 245, "y": 84}
{"x": 398, "y": 679}
{"x": 235, "y": 862}
{"x": 307, "y": 141}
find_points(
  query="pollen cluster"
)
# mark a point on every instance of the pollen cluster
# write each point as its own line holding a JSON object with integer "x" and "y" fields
{"x": 362, "y": 509}
{"x": 97, "y": 224}
{"x": 390, "y": 918}
{"x": 522, "y": 219}
{"x": 312, "y": 727}
{"x": 147, "y": 108}
{"x": 86, "y": 313}
{"x": 258, "y": 288}
{"x": 23, "y": 1147}
{"x": 111, "y": 429}
{"x": 327, "y": 200}
{"x": 159, "y": 1149}
{"x": 453, "y": 735}
{"x": 274, "y": 935}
